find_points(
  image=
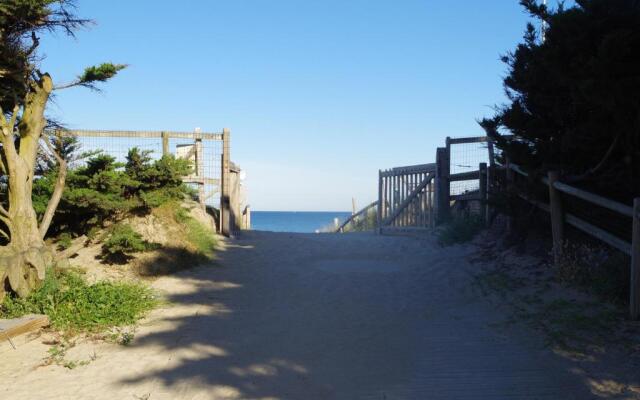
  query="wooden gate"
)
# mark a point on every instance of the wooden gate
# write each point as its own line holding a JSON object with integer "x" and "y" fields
{"x": 405, "y": 198}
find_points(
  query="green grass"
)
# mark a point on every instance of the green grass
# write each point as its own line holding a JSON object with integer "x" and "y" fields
{"x": 460, "y": 230}
{"x": 196, "y": 233}
{"x": 76, "y": 306}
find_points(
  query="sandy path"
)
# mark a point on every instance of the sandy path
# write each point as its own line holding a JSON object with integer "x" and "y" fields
{"x": 294, "y": 316}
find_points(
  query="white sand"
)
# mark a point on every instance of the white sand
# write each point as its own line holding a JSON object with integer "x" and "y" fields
{"x": 294, "y": 316}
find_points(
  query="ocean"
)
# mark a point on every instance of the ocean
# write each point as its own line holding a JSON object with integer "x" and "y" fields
{"x": 295, "y": 221}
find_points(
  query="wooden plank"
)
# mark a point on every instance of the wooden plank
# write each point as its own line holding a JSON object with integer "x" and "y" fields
{"x": 557, "y": 218}
{"x": 201, "y": 181}
{"x": 225, "y": 203}
{"x": 464, "y": 176}
{"x": 483, "y": 193}
{"x": 586, "y": 227}
{"x": 165, "y": 144}
{"x": 595, "y": 199}
{"x": 138, "y": 134}
{"x": 474, "y": 195}
{"x": 380, "y": 201}
{"x": 583, "y": 194}
{"x": 635, "y": 262}
{"x": 356, "y": 215}
{"x": 10, "y": 328}
{"x": 473, "y": 139}
{"x": 412, "y": 169}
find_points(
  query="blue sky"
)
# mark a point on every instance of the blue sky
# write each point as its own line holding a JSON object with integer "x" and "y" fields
{"x": 318, "y": 95}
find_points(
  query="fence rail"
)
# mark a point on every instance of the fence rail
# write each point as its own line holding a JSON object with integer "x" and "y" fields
{"x": 416, "y": 197}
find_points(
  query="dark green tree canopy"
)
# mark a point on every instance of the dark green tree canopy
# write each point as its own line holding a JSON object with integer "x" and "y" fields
{"x": 574, "y": 103}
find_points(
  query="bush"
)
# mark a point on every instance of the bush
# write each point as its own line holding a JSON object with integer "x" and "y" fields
{"x": 64, "y": 240}
{"x": 107, "y": 190}
{"x": 73, "y": 305}
{"x": 122, "y": 242}
{"x": 460, "y": 230}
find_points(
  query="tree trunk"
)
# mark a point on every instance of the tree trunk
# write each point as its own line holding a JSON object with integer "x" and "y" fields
{"x": 24, "y": 260}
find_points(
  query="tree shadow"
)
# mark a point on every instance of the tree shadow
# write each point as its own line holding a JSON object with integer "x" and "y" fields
{"x": 216, "y": 332}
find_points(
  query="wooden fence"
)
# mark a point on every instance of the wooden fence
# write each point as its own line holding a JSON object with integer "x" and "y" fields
{"x": 405, "y": 198}
{"x": 419, "y": 197}
{"x": 215, "y": 177}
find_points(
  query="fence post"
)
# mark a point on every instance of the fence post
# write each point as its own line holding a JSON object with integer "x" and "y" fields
{"x": 165, "y": 143}
{"x": 442, "y": 185}
{"x": 483, "y": 194}
{"x": 225, "y": 203}
{"x": 557, "y": 218}
{"x": 634, "y": 290}
{"x": 200, "y": 170}
{"x": 380, "y": 202}
{"x": 510, "y": 177}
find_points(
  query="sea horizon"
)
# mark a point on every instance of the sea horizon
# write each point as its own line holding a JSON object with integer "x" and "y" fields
{"x": 296, "y": 221}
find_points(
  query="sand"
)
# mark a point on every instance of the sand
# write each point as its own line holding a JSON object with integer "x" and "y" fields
{"x": 307, "y": 316}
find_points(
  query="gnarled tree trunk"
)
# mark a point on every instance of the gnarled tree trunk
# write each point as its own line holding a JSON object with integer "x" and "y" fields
{"x": 24, "y": 259}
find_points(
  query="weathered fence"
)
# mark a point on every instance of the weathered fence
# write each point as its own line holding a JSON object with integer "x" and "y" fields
{"x": 405, "y": 198}
{"x": 214, "y": 176}
{"x": 606, "y": 220}
{"x": 360, "y": 221}
{"x": 418, "y": 197}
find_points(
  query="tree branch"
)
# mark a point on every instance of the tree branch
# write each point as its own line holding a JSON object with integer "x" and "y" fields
{"x": 57, "y": 191}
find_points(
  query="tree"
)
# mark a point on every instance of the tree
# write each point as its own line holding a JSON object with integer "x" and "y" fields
{"x": 573, "y": 98}
{"x": 24, "y": 93}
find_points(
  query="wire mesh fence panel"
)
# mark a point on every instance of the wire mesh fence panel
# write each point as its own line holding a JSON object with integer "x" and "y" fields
{"x": 465, "y": 157}
{"x": 203, "y": 150}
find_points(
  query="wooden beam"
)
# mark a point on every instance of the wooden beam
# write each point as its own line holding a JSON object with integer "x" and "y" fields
{"x": 10, "y": 328}
{"x": 483, "y": 193}
{"x": 225, "y": 203}
{"x": 635, "y": 262}
{"x": 138, "y": 134}
{"x": 557, "y": 218}
{"x": 464, "y": 176}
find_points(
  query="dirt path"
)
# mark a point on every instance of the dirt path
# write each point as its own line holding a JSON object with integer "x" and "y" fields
{"x": 296, "y": 316}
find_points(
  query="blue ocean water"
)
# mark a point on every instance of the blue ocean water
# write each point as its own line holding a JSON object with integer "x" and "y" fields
{"x": 295, "y": 221}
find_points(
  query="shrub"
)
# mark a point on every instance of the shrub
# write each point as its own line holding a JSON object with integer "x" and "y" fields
{"x": 73, "y": 305}
{"x": 460, "y": 230}
{"x": 122, "y": 242}
{"x": 106, "y": 190}
{"x": 65, "y": 240}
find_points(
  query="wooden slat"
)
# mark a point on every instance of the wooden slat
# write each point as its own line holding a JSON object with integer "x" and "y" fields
{"x": 10, "y": 328}
{"x": 201, "y": 180}
{"x": 138, "y": 134}
{"x": 464, "y": 176}
{"x": 475, "y": 195}
{"x": 474, "y": 139}
{"x": 410, "y": 169}
{"x": 586, "y": 227}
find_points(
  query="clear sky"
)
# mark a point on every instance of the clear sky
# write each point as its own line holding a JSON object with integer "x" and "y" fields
{"x": 319, "y": 95}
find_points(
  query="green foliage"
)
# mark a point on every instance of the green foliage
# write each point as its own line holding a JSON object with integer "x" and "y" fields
{"x": 460, "y": 230}
{"x": 122, "y": 242}
{"x": 99, "y": 73}
{"x": 106, "y": 190}
{"x": 74, "y": 305}
{"x": 196, "y": 233}
{"x": 573, "y": 98}
{"x": 64, "y": 240}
